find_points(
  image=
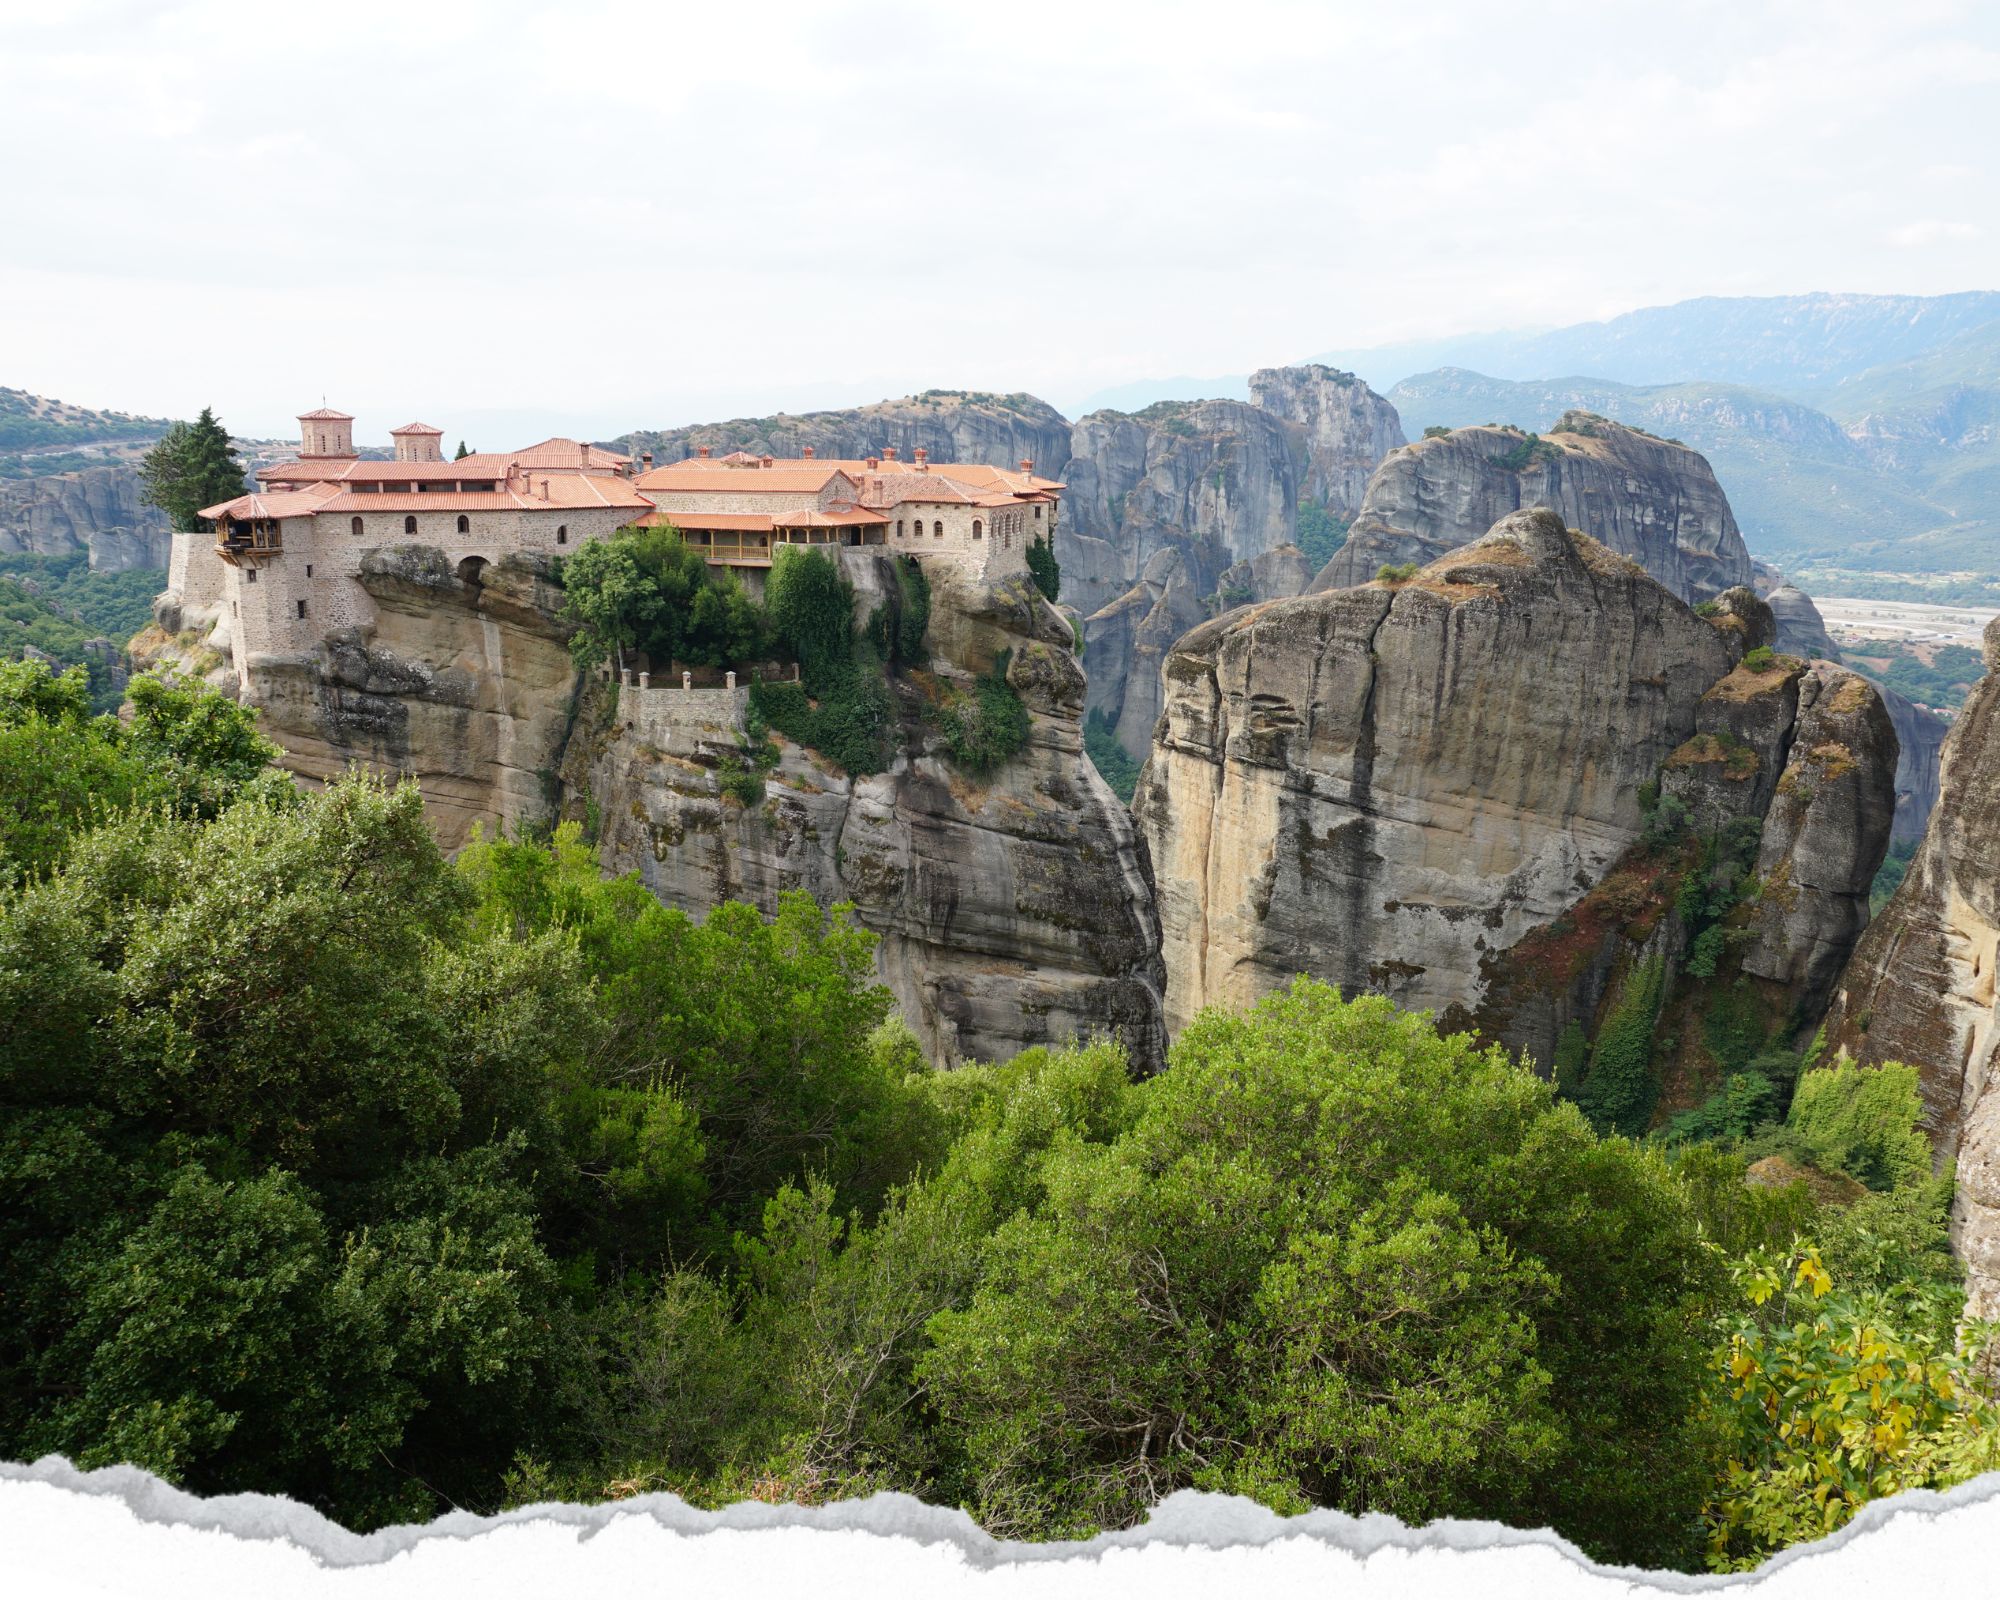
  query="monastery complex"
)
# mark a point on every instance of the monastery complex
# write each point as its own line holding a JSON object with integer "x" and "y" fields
{"x": 285, "y": 560}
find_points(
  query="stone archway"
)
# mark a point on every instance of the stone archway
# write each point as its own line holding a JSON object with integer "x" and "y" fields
{"x": 472, "y": 570}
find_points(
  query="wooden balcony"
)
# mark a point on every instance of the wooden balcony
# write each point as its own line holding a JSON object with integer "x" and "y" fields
{"x": 249, "y": 543}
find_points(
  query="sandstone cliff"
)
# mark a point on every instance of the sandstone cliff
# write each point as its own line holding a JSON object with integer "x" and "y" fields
{"x": 1348, "y": 429}
{"x": 1394, "y": 787}
{"x": 1645, "y": 498}
{"x": 1013, "y": 909}
{"x": 97, "y": 509}
{"x": 1920, "y": 986}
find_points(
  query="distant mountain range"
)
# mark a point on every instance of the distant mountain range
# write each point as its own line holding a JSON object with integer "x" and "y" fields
{"x": 1851, "y": 431}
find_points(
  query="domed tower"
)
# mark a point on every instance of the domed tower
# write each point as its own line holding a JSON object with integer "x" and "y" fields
{"x": 325, "y": 432}
{"x": 418, "y": 441}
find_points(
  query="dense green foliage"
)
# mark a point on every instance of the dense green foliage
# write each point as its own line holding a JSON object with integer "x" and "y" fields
{"x": 193, "y": 466}
{"x": 1619, "y": 1089}
{"x": 1100, "y": 743}
{"x": 1531, "y": 450}
{"x": 59, "y": 607}
{"x": 986, "y": 725}
{"x": 647, "y": 590}
{"x": 1320, "y": 533}
{"x": 333, "y": 1168}
{"x": 1043, "y": 568}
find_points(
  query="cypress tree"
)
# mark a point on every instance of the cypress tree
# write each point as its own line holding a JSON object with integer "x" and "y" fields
{"x": 193, "y": 465}
{"x": 462, "y": 451}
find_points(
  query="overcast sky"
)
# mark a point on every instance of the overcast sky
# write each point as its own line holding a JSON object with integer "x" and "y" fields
{"x": 509, "y": 219}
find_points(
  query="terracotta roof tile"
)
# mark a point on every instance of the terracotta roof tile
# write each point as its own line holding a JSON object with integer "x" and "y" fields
{"x": 415, "y": 427}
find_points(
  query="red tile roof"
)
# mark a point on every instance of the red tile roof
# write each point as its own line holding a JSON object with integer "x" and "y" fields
{"x": 415, "y": 427}
{"x": 700, "y": 521}
{"x": 324, "y": 414}
{"x": 293, "y": 503}
{"x": 710, "y": 477}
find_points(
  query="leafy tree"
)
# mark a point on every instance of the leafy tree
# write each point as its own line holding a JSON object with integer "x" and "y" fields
{"x": 1831, "y": 1398}
{"x": 1100, "y": 743}
{"x": 1043, "y": 567}
{"x": 1864, "y": 1121}
{"x": 1619, "y": 1090}
{"x": 648, "y": 590}
{"x": 194, "y": 465}
{"x": 811, "y": 608}
{"x": 1332, "y": 1258}
{"x": 986, "y": 726}
{"x": 62, "y": 769}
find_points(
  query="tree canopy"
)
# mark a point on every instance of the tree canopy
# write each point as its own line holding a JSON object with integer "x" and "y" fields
{"x": 647, "y": 590}
{"x": 194, "y": 465}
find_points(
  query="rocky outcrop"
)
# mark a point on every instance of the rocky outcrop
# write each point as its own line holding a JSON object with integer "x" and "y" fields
{"x": 1920, "y": 986}
{"x": 1013, "y": 909}
{"x": 1645, "y": 498}
{"x": 1180, "y": 473}
{"x": 1801, "y": 629}
{"x": 953, "y": 425}
{"x": 97, "y": 509}
{"x": 1348, "y": 429}
{"x": 465, "y": 686}
{"x": 1394, "y": 786}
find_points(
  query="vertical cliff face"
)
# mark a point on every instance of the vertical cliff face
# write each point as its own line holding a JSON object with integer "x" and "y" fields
{"x": 1013, "y": 908}
{"x": 1401, "y": 788}
{"x": 1348, "y": 429}
{"x": 97, "y": 509}
{"x": 1920, "y": 985}
{"x": 1380, "y": 785}
{"x": 1648, "y": 499}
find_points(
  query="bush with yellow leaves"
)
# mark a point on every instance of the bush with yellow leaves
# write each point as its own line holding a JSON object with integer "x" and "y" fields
{"x": 1829, "y": 1399}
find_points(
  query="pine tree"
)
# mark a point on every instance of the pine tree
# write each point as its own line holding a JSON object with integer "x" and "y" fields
{"x": 462, "y": 451}
{"x": 194, "y": 465}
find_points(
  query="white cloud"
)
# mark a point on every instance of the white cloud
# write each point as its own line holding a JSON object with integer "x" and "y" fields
{"x": 634, "y": 213}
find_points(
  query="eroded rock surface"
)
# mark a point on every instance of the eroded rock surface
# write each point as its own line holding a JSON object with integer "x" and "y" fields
{"x": 1920, "y": 985}
{"x": 1645, "y": 498}
{"x": 1393, "y": 786}
{"x": 96, "y": 509}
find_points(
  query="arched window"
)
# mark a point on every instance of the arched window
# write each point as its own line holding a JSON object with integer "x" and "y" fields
{"x": 977, "y": 531}
{"x": 354, "y": 526}
{"x": 409, "y": 524}
{"x": 937, "y": 530}
{"x": 464, "y": 523}
{"x": 562, "y": 534}
{"x": 899, "y": 530}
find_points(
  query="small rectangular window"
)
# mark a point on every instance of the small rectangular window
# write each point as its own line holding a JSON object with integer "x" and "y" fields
{"x": 309, "y": 569}
{"x": 302, "y": 608}
{"x": 249, "y": 574}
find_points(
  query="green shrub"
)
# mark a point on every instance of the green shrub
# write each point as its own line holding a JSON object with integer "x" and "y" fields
{"x": 913, "y": 619}
{"x": 1531, "y": 449}
{"x": 1389, "y": 573}
{"x": 1114, "y": 765}
{"x": 987, "y": 725}
{"x": 1761, "y": 659}
{"x": 1320, "y": 533}
{"x": 1708, "y": 608}
{"x": 1437, "y": 431}
{"x": 1572, "y": 1056}
{"x": 811, "y": 607}
{"x": 1863, "y": 1121}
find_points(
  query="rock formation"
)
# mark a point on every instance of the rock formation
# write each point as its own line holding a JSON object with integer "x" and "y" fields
{"x": 97, "y": 509}
{"x": 1801, "y": 629}
{"x": 1348, "y": 429}
{"x": 1394, "y": 786}
{"x": 1920, "y": 986}
{"x": 953, "y": 425}
{"x": 1013, "y": 909}
{"x": 1645, "y": 498}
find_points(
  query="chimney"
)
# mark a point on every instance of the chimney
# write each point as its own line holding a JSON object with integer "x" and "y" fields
{"x": 646, "y": 460}
{"x": 1028, "y": 467}
{"x": 874, "y": 463}
{"x": 806, "y": 454}
{"x": 545, "y": 488}
{"x": 583, "y": 455}
{"x": 763, "y": 461}
{"x": 704, "y": 452}
{"x": 888, "y": 452}
{"x": 923, "y": 458}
